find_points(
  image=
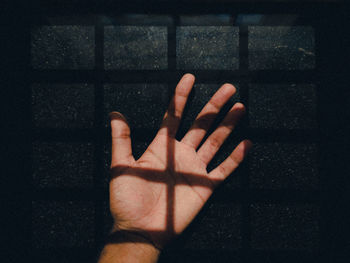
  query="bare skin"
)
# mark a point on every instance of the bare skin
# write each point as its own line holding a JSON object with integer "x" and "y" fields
{"x": 159, "y": 194}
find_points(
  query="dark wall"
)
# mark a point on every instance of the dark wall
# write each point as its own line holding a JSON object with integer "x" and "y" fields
{"x": 64, "y": 68}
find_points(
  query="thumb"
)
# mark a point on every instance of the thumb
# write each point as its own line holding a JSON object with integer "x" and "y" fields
{"x": 121, "y": 141}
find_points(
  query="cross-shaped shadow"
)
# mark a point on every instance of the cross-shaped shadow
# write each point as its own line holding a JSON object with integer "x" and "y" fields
{"x": 157, "y": 175}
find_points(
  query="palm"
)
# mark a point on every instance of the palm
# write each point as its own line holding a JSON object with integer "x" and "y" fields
{"x": 162, "y": 192}
{"x": 142, "y": 210}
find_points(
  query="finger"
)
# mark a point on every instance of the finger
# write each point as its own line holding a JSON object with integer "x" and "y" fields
{"x": 205, "y": 118}
{"x": 172, "y": 117}
{"x": 221, "y": 172}
{"x": 209, "y": 148}
{"x": 121, "y": 141}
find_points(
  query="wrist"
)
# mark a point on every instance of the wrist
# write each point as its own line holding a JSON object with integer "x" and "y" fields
{"x": 131, "y": 236}
{"x": 129, "y": 246}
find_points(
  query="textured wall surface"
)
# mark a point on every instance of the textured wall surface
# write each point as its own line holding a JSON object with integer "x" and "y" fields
{"x": 63, "y": 224}
{"x": 284, "y": 165}
{"x": 122, "y": 49}
{"x": 66, "y": 165}
{"x": 63, "y": 105}
{"x": 281, "y": 47}
{"x": 209, "y": 47}
{"x": 141, "y": 103}
{"x": 284, "y": 227}
{"x": 63, "y": 47}
{"x": 283, "y": 106}
{"x": 264, "y": 210}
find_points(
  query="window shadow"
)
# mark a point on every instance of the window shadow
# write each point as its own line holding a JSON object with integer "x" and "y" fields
{"x": 159, "y": 176}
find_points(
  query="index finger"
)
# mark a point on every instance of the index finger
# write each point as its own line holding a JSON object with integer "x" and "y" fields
{"x": 172, "y": 116}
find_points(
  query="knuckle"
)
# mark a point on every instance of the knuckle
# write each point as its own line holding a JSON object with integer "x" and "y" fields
{"x": 177, "y": 113}
{"x": 214, "y": 142}
{"x": 117, "y": 169}
{"x": 173, "y": 111}
{"x": 216, "y": 106}
{"x": 204, "y": 121}
{"x": 234, "y": 160}
{"x": 222, "y": 170}
{"x": 123, "y": 134}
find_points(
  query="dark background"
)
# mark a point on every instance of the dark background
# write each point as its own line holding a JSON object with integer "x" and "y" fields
{"x": 66, "y": 64}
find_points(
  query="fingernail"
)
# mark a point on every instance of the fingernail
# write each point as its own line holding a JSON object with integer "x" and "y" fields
{"x": 116, "y": 115}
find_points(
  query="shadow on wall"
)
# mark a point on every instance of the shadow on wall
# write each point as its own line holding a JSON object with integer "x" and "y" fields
{"x": 171, "y": 178}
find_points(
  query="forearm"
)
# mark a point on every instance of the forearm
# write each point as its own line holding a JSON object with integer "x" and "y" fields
{"x": 123, "y": 247}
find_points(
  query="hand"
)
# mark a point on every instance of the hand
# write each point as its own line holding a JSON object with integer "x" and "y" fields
{"x": 159, "y": 194}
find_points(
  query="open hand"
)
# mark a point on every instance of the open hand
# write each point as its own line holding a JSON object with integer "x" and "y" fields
{"x": 159, "y": 194}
